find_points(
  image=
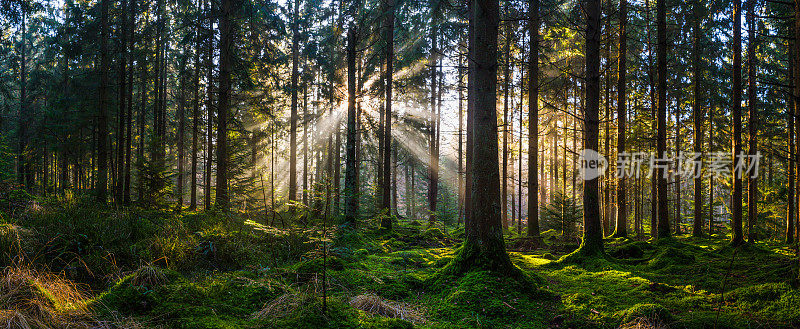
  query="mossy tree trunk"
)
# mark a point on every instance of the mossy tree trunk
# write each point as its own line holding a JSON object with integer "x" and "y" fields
{"x": 484, "y": 247}
{"x": 592, "y": 227}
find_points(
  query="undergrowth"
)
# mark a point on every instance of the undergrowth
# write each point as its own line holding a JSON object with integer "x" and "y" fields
{"x": 90, "y": 267}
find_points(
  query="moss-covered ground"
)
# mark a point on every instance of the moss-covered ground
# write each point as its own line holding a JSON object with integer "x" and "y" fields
{"x": 162, "y": 270}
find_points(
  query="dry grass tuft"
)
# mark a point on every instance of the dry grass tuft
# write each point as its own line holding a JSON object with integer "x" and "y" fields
{"x": 148, "y": 276}
{"x": 282, "y": 305}
{"x": 643, "y": 323}
{"x": 374, "y": 304}
{"x": 39, "y": 300}
{"x": 15, "y": 319}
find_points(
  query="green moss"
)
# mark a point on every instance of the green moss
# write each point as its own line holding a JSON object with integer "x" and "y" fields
{"x": 308, "y": 313}
{"x": 648, "y": 311}
{"x": 392, "y": 245}
{"x": 216, "y": 301}
{"x": 671, "y": 256}
{"x": 626, "y": 251}
{"x": 785, "y": 309}
{"x": 433, "y": 233}
{"x": 306, "y": 270}
{"x": 484, "y": 298}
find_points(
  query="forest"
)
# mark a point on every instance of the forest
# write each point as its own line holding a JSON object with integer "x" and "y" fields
{"x": 399, "y": 164}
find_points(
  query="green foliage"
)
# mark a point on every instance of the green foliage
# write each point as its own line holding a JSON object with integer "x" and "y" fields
{"x": 562, "y": 214}
{"x": 233, "y": 271}
{"x": 6, "y": 161}
{"x": 155, "y": 179}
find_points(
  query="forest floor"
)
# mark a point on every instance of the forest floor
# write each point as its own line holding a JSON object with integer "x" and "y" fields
{"x": 71, "y": 265}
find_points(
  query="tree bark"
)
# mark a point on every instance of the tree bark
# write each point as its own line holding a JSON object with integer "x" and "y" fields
{"x": 534, "y": 24}
{"x": 791, "y": 212}
{"x": 697, "y": 111}
{"x": 433, "y": 170}
{"x": 119, "y": 183}
{"x": 460, "y": 136}
{"x": 195, "y": 117}
{"x": 351, "y": 173}
{"x": 621, "y": 229}
{"x": 209, "y": 106}
{"x": 736, "y": 197}
{"x": 22, "y": 135}
{"x": 710, "y": 177}
{"x": 293, "y": 114}
{"x": 752, "y": 122}
{"x": 102, "y": 119}
{"x": 181, "y": 132}
{"x": 661, "y": 139}
{"x": 126, "y": 190}
{"x": 592, "y": 227}
{"x": 386, "y": 222}
{"x": 506, "y": 84}
{"x": 652, "y": 94}
{"x": 225, "y": 58}
{"x": 795, "y": 60}
{"x": 484, "y": 246}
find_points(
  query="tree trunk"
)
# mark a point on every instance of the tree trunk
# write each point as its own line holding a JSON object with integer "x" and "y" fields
{"x": 506, "y": 84}
{"x": 534, "y": 24}
{"x": 305, "y": 143}
{"x": 752, "y": 122}
{"x": 119, "y": 183}
{"x": 433, "y": 170}
{"x": 710, "y": 177}
{"x": 606, "y": 179}
{"x": 795, "y": 60}
{"x": 651, "y": 85}
{"x": 791, "y": 212}
{"x": 386, "y": 222}
{"x": 181, "y": 132}
{"x": 351, "y": 173}
{"x": 126, "y": 190}
{"x": 102, "y": 119}
{"x": 484, "y": 246}
{"x": 592, "y": 227}
{"x": 621, "y": 229}
{"x": 141, "y": 122}
{"x": 209, "y": 107}
{"x": 736, "y": 197}
{"x": 661, "y": 139}
{"x": 225, "y": 59}
{"x": 293, "y": 114}
{"x": 678, "y": 177}
{"x": 23, "y": 174}
{"x": 460, "y": 137}
{"x": 790, "y": 204}
{"x": 195, "y": 118}
{"x": 697, "y": 110}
